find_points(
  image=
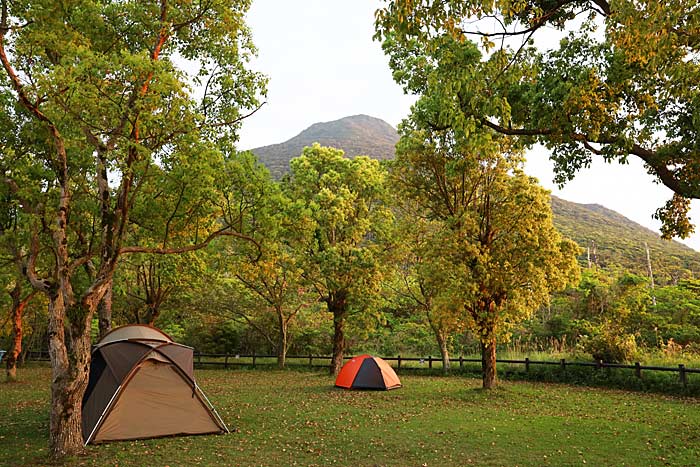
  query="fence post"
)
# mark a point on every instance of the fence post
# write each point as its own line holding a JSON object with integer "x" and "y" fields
{"x": 683, "y": 375}
{"x": 226, "y": 361}
{"x": 461, "y": 361}
{"x": 311, "y": 360}
{"x": 637, "y": 369}
{"x": 599, "y": 364}
{"x": 563, "y": 364}
{"x": 253, "y": 358}
{"x": 430, "y": 361}
{"x": 398, "y": 359}
{"x": 527, "y": 364}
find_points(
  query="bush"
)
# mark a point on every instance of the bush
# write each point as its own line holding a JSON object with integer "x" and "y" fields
{"x": 611, "y": 346}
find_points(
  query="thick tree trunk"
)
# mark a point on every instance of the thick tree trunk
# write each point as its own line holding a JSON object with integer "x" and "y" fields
{"x": 282, "y": 342}
{"x": 337, "y": 305}
{"x": 488, "y": 364}
{"x": 18, "y": 305}
{"x": 69, "y": 350}
{"x": 104, "y": 312}
{"x": 338, "y": 342}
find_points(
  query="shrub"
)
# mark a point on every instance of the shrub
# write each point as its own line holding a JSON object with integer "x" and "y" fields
{"x": 611, "y": 346}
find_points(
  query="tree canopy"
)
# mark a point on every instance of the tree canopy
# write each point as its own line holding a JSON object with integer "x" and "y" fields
{"x": 493, "y": 254}
{"x": 104, "y": 108}
{"x": 622, "y": 82}
{"x": 346, "y": 200}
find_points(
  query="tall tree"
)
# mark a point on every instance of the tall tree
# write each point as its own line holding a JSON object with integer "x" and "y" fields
{"x": 270, "y": 270}
{"x": 621, "y": 84}
{"x": 414, "y": 285}
{"x": 20, "y": 298}
{"x": 346, "y": 200}
{"x": 99, "y": 86}
{"x": 495, "y": 256}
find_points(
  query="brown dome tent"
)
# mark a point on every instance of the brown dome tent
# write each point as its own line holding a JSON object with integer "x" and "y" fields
{"x": 142, "y": 386}
{"x": 367, "y": 372}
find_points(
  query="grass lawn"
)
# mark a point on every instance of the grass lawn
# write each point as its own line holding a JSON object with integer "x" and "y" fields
{"x": 286, "y": 418}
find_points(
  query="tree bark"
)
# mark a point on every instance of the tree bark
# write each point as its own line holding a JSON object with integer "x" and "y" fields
{"x": 338, "y": 342}
{"x": 104, "y": 312}
{"x": 69, "y": 351}
{"x": 152, "y": 313}
{"x": 488, "y": 364}
{"x": 337, "y": 305}
{"x": 444, "y": 352}
{"x": 18, "y": 305}
{"x": 442, "y": 343}
{"x": 70, "y": 358}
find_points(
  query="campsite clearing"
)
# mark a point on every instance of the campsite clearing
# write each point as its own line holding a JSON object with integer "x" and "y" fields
{"x": 286, "y": 418}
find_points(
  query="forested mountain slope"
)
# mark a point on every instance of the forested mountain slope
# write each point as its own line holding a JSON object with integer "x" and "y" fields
{"x": 613, "y": 240}
{"x": 610, "y": 239}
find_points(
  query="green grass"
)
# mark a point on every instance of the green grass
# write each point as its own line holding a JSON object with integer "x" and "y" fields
{"x": 287, "y": 418}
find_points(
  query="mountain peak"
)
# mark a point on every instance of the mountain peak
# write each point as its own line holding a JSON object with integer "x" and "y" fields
{"x": 356, "y": 135}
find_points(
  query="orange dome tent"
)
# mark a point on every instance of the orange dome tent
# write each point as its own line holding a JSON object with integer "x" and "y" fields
{"x": 367, "y": 372}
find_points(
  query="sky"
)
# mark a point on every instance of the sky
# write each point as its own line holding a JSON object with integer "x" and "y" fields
{"x": 323, "y": 65}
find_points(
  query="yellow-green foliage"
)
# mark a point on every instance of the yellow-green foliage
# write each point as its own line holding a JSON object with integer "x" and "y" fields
{"x": 492, "y": 253}
{"x": 345, "y": 202}
{"x": 620, "y": 83}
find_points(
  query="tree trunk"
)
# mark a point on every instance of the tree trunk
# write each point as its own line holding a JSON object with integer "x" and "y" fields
{"x": 18, "y": 305}
{"x": 337, "y": 305}
{"x": 152, "y": 313}
{"x": 488, "y": 364}
{"x": 104, "y": 312}
{"x": 338, "y": 342}
{"x": 442, "y": 343}
{"x": 69, "y": 350}
{"x": 444, "y": 352}
{"x": 281, "y": 342}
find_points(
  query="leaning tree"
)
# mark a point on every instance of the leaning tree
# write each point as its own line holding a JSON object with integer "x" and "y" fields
{"x": 106, "y": 89}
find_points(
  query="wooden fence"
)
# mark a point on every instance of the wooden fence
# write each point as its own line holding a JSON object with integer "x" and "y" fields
{"x": 322, "y": 361}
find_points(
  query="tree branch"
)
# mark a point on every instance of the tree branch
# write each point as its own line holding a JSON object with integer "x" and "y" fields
{"x": 235, "y": 120}
{"x": 167, "y": 251}
{"x": 650, "y": 157}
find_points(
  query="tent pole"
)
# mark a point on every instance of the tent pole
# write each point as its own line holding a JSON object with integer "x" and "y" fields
{"x": 99, "y": 420}
{"x": 213, "y": 409}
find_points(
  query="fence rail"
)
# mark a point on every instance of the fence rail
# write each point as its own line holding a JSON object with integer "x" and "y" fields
{"x": 205, "y": 359}
{"x": 323, "y": 361}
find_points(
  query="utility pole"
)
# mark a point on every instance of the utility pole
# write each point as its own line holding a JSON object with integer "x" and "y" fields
{"x": 595, "y": 254}
{"x": 588, "y": 256}
{"x": 651, "y": 274}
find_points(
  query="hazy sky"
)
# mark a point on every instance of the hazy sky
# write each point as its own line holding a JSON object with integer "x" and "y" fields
{"x": 323, "y": 65}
